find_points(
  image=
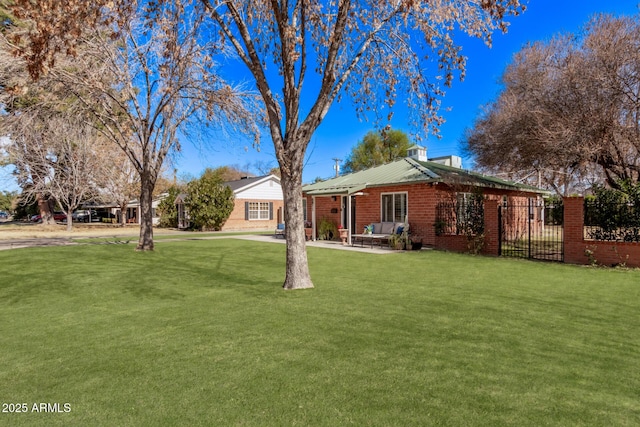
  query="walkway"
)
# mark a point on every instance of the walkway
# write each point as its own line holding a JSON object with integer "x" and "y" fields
{"x": 265, "y": 238}
{"x": 319, "y": 244}
{"x": 28, "y": 243}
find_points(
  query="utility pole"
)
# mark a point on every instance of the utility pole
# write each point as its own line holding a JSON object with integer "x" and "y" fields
{"x": 337, "y": 166}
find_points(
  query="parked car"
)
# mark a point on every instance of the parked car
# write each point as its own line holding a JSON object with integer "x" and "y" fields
{"x": 105, "y": 215}
{"x": 57, "y": 216}
{"x": 4, "y": 215}
{"x": 85, "y": 216}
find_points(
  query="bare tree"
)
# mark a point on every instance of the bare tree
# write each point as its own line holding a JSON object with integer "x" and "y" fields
{"x": 144, "y": 76}
{"x": 368, "y": 50}
{"x": 15, "y": 96}
{"x": 51, "y": 146}
{"x": 569, "y": 110}
{"x": 60, "y": 162}
{"x": 165, "y": 82}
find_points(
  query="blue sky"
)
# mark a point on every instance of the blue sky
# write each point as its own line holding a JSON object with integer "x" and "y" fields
{"x": 341, "y": 130}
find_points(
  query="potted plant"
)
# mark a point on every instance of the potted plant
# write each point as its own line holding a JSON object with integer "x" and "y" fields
{"x": 416, "y": 243}
{"x": 344, "y": 233}
{"x": 401, "y": 241}
{"x": 326, "y": 229}
{"x": 308, "y": 230}
{"x": 395, "y": 242}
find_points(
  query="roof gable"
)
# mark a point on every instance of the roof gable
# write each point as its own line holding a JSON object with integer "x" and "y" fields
{"x": 259, "y": 188}
{"x": 246, "y": 183}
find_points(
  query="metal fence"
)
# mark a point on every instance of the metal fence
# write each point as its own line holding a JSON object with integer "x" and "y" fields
{"x": 612, "y": 222}
{"x": 532, "y": 229}
{"x": 464, "y": 216}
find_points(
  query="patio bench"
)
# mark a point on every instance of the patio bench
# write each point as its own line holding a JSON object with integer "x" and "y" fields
{"x": 380, "y": 233}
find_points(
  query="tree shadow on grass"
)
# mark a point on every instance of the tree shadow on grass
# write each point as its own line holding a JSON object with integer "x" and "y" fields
{"x": 37, "y": 286}
{"x": 219, "y": 273}
{"x": 147, "y": 290}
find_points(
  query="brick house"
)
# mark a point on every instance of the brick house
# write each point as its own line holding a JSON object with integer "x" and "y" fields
{"x": 409, "y": 190}
{"x": 258, "y": 204}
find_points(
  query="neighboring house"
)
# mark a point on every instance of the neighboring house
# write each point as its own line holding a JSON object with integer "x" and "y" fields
{"x": 132, "y": 214}
{"x": 407, "y": 190}
{"x": 258, "y": 204}
{"x": 133, "y": 210}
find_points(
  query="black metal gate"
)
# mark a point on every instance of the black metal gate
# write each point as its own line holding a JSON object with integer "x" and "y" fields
{"x": 532, "y": 229}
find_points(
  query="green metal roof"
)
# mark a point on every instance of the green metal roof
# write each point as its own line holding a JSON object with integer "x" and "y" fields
{"x": 409, "y": 171}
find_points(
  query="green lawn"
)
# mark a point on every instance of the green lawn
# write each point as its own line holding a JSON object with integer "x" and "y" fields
{"x": 200, "y": 333}
{"x": 194, "y": 235}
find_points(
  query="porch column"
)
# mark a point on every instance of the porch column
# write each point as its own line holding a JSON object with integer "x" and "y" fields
{"x": 313, "y": 217}
{"x": 348, "y": 224}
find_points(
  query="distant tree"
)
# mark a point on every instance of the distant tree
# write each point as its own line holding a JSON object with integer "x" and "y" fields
{"x": 52, "y": 145}
{"x": 569, "y": 113}
{"x": 209, "y": 201}
{"x": 20, "y": 105}
{"x": 274, "y": 171}
{"x": 230, "y": 173}
{"x": 8, "y": 200}
{"x": 263, "y": 167}
{"x": 25, "y": 208}
{"x": 60, "y": 163}
{"x": 167, "y": 207}
{"x": 164, "y": 183}
{"x": 377, "y": 148}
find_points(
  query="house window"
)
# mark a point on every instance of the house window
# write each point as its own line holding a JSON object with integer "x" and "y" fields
{"x": 304, "y": 208}
{"x": 259, "y": 210}
{"x": 394, "y": 207}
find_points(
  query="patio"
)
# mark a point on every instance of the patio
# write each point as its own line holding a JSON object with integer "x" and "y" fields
{"x": 328, "y": 244}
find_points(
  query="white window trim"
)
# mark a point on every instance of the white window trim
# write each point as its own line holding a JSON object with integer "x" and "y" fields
{"x": 406, "y": 193}
{"x": 259, "y": 211}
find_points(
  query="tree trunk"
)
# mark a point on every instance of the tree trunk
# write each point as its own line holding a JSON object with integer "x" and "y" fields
{"x": 123, "y": 214}
{"x": 145, "y": 243}
{"x": 69, "y": 220}
{"x": 297, "y": 271}
{"x": 45, "y": 210}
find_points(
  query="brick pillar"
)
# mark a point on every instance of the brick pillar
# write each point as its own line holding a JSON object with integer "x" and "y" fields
{"x": 574, "y": 231}
{"x": 491, "y": 226}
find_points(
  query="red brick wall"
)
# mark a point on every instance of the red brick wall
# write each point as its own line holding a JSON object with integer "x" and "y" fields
{"x": 604, "y": 253}
{"x": 323, "y": 209}
{"x": 422, "y": 201}
{"x": 421, "y": 208}
{"x": 237, "y": 222}
{"x": 452, "y": 243}
{"x": 491, "y": 227}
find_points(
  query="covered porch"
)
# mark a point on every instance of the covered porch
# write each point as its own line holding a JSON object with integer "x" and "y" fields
{"x": 338, "y": 205}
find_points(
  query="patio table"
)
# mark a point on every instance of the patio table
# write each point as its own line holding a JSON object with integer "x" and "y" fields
{"x": 370, "y": 238}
